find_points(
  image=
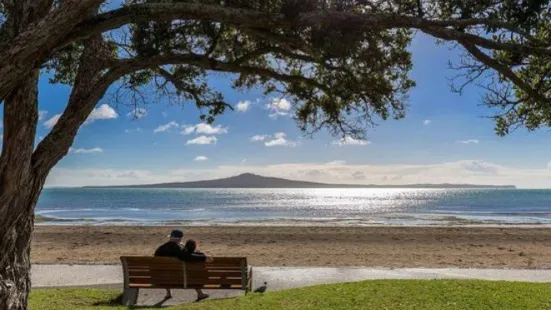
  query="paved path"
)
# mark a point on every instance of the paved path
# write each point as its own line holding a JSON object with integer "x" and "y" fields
{"x": 277, "y": 277}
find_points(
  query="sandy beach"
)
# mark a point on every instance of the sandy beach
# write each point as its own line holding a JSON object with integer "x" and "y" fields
{"x": 477, "y": 247}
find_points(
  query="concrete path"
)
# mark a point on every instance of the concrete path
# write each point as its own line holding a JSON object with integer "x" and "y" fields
{"x": 75, "y": 275}
{"x": 278, "y": 278}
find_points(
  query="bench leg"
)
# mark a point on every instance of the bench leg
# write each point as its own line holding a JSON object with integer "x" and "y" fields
{"x": 130, "y": 296}
{"x": 249, "y": 281}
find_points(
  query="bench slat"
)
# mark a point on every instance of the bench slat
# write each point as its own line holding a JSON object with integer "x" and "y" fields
{"x": 190, "y": 282}
{"x": 215, "y": 286}
{"x": 223, "y": 273}
{"x": 149, "y": 285}
{"x": 191, "y": 267}
{"x": 156, "y": 272}
{"x": 226, "y": 259}
{"x": 213, "y": 281}
{"x": 159, "y": 267}
{"x": 159, "y": 281}
{"x": 207, "y": 287}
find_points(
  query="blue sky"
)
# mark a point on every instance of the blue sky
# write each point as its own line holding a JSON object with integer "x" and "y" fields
{"x": 444, "y": 138}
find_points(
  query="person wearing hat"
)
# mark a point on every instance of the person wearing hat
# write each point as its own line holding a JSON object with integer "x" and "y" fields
{"x": 173, "y": 248}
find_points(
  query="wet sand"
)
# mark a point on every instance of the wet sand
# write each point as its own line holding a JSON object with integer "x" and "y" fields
{"x": 475, "y": 247}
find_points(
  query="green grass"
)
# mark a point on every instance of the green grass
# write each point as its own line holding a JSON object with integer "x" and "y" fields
{"x": 377, "y": 295}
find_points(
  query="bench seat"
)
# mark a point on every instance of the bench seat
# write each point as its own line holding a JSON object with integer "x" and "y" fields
{"x": 147, "y": 272}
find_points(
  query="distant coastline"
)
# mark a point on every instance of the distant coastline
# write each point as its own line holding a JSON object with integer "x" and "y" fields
{"x": 248, "y": 180}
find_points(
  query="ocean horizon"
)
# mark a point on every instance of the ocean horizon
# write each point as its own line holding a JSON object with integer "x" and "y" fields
{"x": 297, "y": 206}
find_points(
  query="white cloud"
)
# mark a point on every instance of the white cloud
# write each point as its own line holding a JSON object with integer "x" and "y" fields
{"x": 104, "y": 111}
{"x": 477, "y": 166}
{"x": 188, "y": 129}
{"x": 243, "y": 106}
{"x": 86, "y": 151}
{"x": 52, "y": 121}
{"x": 243, "y": 161}
{"x": 350, "y": 141}
{"x": 280, "y": 140}
{"x": 203, "y": 128}
{"x": 41, "y": 115}
{"x": 209, "y": 129}
{"x": 469, "y": 141}
{"x": 277, "y": 139}
{"x": 427, "y": 122}
{"x": 259, "y": 138}
{"x": 97, "y": 177}
{"x": 336, "y": 162}
{"x": 203, "y": 140}
{"x": 279, "y": 107}
{"x": 137, "y": 113}
{"x": 549, "y": 165}
{"x": 166, "y": 127}
{"x": 138, "y": 129}
{"x": 200, "y": 158}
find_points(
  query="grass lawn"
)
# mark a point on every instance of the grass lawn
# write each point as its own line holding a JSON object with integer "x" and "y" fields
{"x": 377, "y": 295}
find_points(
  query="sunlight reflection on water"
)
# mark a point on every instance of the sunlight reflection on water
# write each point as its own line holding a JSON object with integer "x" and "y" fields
{"x": 345, "y": 205}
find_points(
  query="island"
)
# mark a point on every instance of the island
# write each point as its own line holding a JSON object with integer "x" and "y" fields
{"x": 249, "y": 180}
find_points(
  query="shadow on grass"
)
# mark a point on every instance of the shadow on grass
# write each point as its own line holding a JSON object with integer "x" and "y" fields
{"x": 117, "y": 302}
{"x": 114, "y": 302}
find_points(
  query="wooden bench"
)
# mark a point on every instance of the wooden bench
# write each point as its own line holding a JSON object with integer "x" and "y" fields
{"x": 141, "y": 272}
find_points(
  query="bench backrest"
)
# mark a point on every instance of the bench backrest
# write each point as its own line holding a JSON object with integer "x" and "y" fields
{"x": 168, "y": 272}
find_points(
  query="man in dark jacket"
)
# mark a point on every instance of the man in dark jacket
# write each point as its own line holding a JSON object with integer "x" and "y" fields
{"x": 172, "y": 248}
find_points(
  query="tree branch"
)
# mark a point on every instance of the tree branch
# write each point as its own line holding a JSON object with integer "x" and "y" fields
{"x": 286, "y": 41}
{"x": 504, "y": 70}
{"x": 252, "y": 55}
{"x": 30, "y": 49}
{"x": 178, "y": 84}
{"x": 449, "y": 34}
{"x": 89, "y": 87}
{"x": 191, "y": 90}
{"x": 262, "y": 20}
{"x": 126, "y": 66}
{"x": 265, "y": 21}
{"x": 171, "y": 11}
{"x": 215, "y": 40}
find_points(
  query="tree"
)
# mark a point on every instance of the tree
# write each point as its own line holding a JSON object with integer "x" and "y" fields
{"x": 344, "y": 64}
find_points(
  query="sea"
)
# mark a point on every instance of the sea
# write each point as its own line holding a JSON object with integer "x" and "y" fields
{"x": 309, "y": 207}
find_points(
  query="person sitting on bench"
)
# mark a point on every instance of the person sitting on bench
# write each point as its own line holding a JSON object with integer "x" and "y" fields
{"x": 173, "y": 248}
{"x": 191, "y": 249}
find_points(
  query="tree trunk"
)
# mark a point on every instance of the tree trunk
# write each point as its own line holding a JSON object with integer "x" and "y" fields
{"x": 19, "y": 190}
{"x": 23, "y": 172}
{"x": 15, "y": 245}
{"x": 20, "y": 181}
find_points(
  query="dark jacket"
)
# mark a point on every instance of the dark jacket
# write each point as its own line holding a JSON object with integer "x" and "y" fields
{"x": 172, "y": 249}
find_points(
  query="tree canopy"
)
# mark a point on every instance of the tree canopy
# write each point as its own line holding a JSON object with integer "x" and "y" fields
{"x": 338, "y": 78}
{"x": 344, "y": 63}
